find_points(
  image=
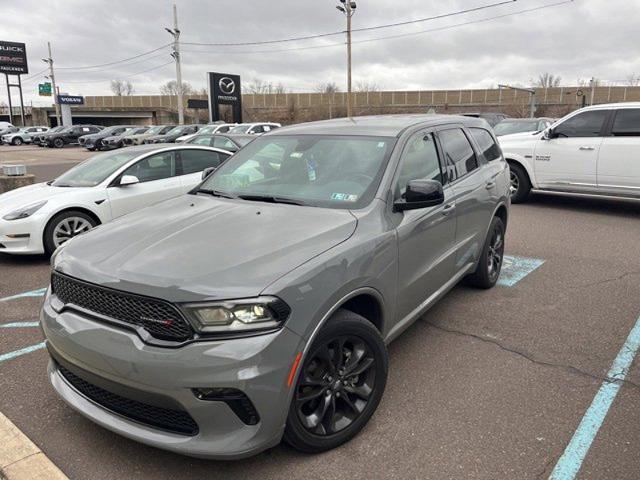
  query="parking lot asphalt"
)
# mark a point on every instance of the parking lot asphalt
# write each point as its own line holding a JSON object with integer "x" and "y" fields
{"x": 45, "y": 163}
{"x": 488, "y": 384}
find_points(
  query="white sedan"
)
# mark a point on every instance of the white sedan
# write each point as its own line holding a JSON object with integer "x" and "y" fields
{"x": 39, "y": 218}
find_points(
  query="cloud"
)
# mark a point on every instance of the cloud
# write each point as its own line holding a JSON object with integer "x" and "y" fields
{"x": 580, "y": 39}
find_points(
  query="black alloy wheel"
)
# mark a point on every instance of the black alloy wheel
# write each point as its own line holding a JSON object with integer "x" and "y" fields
{"x": 339, "y": 386}
{"x": 490, "y": 262}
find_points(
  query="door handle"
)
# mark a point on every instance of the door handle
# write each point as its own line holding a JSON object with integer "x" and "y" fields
{"x": 490, "y": 185}
{"x": 586, "y": 148}
{"x": 448, "y": 209}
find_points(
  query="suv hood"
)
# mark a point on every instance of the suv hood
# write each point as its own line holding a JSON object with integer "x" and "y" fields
{"x": 197, "y": 247}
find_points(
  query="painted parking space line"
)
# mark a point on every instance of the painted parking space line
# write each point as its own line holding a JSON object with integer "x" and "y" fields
{"x": 19, "y": 325}
{"x": 23, "y": 351}
{"x": 515, "y": 268}
{"x": 571, "y": 460}
{"x": 31, "y": 293}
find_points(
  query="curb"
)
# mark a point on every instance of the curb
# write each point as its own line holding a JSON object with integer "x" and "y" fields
{"x": 21, "y": 459}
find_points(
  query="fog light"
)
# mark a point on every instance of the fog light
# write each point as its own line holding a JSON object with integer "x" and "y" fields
{"x": 236, "y": 400}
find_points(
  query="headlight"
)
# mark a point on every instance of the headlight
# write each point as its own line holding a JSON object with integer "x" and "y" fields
{"x": 24, "y": 212}
{"x": 237, "y": 316}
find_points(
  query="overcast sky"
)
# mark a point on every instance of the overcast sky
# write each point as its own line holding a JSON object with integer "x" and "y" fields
{"x": 576, "y": 40}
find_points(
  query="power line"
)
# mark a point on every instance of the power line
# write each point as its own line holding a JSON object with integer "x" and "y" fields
{"x": 322, "y": 35}
{"x": 121, "y": 77}
{"x": 387, "y": 37}
{"x": 87, "y": 67}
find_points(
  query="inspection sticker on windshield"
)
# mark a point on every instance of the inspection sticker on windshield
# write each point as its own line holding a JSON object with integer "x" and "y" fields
{"x": 344, "y": 197}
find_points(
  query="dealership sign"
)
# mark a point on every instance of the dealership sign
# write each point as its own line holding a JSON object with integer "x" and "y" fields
{"x": 70, "y": 100}
{"x": 224, "y": 89}
{"x": 13, "y": 58}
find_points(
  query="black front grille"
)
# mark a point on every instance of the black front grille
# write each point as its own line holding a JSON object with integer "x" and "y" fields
{"x": 161, "y": 319}
{"x": 177, "y": 421}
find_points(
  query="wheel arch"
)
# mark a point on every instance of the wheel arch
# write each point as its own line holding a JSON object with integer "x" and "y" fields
{"x": 512, "y": 159}
{"x": 84, "y": 210}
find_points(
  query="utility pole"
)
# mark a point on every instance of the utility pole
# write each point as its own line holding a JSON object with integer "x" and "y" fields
{"x": 592, "y": 84}
{"x": 176, "y": 55}
{"x": 49, "y": 60}
{"x": 532, "y": 97}
{"x": 348, "y": 7}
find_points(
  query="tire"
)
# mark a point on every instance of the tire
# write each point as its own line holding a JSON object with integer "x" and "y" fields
{"x": 486, "y": 275}
{"x": 58, "y": 143}
{"x": 17, "y": 141}
{"x": 352, "y": 398}
{"x": 81, "y": 220}
{"x": 520, "y": 183}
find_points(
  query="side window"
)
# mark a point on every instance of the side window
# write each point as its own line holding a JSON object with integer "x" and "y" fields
{"x": 257, "y": 129}
{"x": 224, "y": 143}
{"x": 203, "y": 140}
{"x": 626, "y": 123}
{"x": 197, "y": 160}
{"x": 155, "y": 167}
{"x": 585, "y": 124}
{"x": 458, "y": 152}
{"x": 419, "y": 161}
{"x": 488, "y": 146}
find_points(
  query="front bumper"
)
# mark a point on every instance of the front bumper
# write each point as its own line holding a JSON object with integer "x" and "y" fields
{"x": 22, "y": 236}
{"x": 119, "y": 360}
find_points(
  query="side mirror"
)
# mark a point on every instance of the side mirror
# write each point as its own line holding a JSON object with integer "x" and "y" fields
{"x": 207, "y": 171}
{"x": 420, "y": 194}
{"x": 128, "y": 180}
{"x": 548, "y": 134}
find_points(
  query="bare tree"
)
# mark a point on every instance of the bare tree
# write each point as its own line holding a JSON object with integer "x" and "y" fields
{"x": 588, "y": 82}
{"x": 171, "y": 88}
{"x": 633, "y": 80}
{"x": 121, "y": 87}
{"x": 327, "y": 87}
{"x": 367, "y": 86}
{"x": 547, "y": 80}
{"x": 258, "y": 85}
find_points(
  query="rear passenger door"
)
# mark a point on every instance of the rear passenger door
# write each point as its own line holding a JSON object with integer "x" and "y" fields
{"x": 191, "y": 163}
{"x": 472, "y": 185}
{"x": 619, "y": 157}
{"x": 425, "y": 236}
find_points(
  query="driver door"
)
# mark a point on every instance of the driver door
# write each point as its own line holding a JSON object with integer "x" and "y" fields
{"x": 426, "y": 236}
{"x": 569, "y": 161}
{"x": 157, "y": 181}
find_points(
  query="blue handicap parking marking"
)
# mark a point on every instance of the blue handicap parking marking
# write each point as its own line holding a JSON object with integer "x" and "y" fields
{"x": 571, "y": 460}
{"x": 22, "y": 351}
{"x": 31, "y": 293}
{"x": 515, "y": 268}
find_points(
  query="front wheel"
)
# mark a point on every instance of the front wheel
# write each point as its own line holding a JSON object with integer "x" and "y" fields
{"x": 64, "y": 226}
{"x": 490, "y": 262}
{"x": 339, "y": 386}
{"x": 17, "y": 141}
{"x": 520, "y": 184}
{"x": 58, "y": 143}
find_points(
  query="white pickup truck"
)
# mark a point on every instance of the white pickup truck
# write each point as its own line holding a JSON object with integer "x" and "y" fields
{"x": 594, "y": 150}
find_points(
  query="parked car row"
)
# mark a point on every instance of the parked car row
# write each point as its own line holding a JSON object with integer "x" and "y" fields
{"x": 18, "y": 136}
{"x": 60, "y": 136}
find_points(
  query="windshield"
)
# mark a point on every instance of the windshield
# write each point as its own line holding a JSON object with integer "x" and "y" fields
{"x": 155, "y": 130}
{"x": 176, "y": 131}
{"x": 507, "y": 127}
{"x": 238, "y": 129}
{"x": 207, "y": 129}
{"x": 135, "y": 131}
{"x": 95, "y": 170}
{"x": 318, "y": 170}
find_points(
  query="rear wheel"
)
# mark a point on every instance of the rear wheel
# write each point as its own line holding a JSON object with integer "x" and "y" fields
{"x": 490, "y": 262}
{"x": 520, "y": 184}
{"x": 58, "y": 143}
{"x": 64, "y": 226}
{"x": 339, "y": 386}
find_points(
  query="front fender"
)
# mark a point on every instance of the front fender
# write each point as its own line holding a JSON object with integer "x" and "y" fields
{"x": 526, "y": 162}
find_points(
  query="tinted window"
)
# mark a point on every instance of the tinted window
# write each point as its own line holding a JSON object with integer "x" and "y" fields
{"x": 458, "y": 152}
{"x": 627, "y": 122}
{"x": 197, "y": 160}
{"x": 487, "y": 145}
{"x": 419, "y": 162}
{"x": 155, "y": 167}
{"x": 224, "y": 143}
{"x": 585, "y": 124}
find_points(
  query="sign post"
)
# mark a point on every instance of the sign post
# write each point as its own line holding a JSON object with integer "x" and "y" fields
{"x": 224, "y": 89}
{"x": 65, "y": 101}
{"x": 13, "y": 61}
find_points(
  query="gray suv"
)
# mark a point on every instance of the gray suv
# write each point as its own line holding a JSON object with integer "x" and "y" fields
{"x": 257, "y": 307}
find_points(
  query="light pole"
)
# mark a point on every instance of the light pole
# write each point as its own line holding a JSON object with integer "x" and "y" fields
{"x": 348, "y": 7}
{"x": 532, "y": 97}
{"x": 49, "y": 61}
{"x": 175, "y": 31}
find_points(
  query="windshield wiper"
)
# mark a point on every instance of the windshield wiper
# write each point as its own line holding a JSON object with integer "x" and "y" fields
{"x": 272, "y": 199}
{"x": 215, "y": 193}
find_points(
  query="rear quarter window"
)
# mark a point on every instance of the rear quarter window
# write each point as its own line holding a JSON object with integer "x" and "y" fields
{"x": 487, "y": 145}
